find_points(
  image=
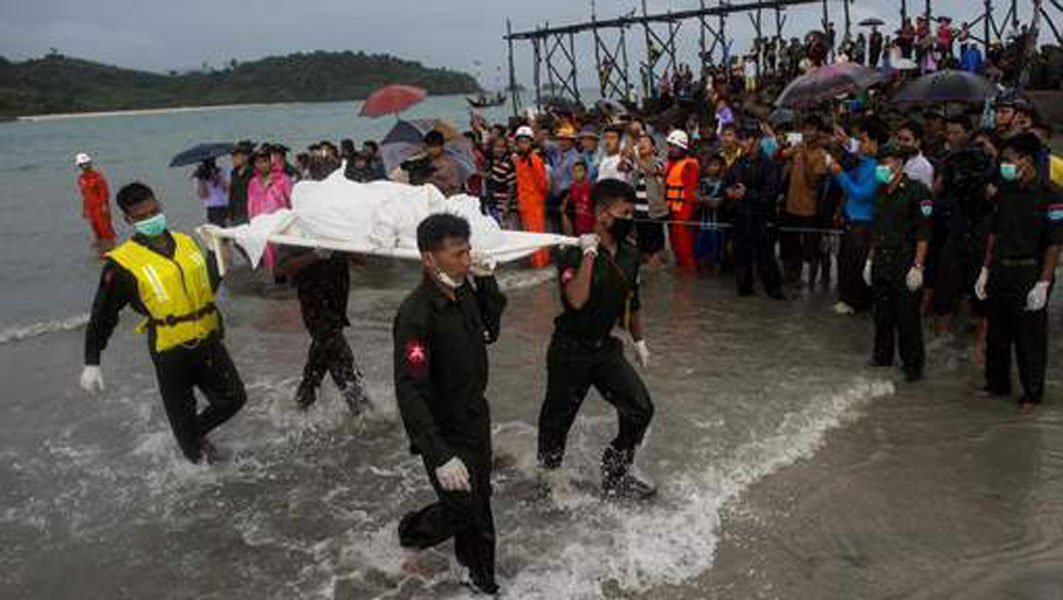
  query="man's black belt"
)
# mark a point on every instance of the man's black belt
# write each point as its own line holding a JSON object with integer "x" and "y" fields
{"x": 171, "y": 320}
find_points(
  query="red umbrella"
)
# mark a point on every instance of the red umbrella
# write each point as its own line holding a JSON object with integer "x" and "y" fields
{"x": 391, "y": 99}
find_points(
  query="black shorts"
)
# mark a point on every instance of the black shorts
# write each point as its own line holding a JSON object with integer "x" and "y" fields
{"x": 958, "y": 264}
{"x": 218, "y": 215}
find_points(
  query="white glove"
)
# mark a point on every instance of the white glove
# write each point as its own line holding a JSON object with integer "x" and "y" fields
{"x": 1038, "y": 296}
{"x": 915, "y": 278}
{"x": 981, "y": 284}
{"x": 453, "y": 476}
{"x": 588, "y": 242}
{"x": 323, "y": 253}
{"x": 92, "y": 379}
{"x": 642, "y": 352}
{"x": 867, "y": 272}
{"x": 482, "y": 265}
{"x": 208, "y": 234}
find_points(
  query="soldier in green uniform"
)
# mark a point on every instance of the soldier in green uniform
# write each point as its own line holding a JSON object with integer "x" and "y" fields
{"x": 599, "y": 291}
{"x": 441, "y": 334}
{"x": 900, "y": 231}
{"x": 1017, "y": 276}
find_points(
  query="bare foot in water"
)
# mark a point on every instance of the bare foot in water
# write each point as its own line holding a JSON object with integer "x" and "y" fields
{"x": 410, "y": 564}
{"x": 208, "y": 454}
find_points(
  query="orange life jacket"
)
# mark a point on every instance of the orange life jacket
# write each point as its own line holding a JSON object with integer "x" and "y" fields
{"x": 673, "y": 185}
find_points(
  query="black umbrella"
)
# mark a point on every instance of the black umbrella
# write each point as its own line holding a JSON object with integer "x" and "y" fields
{"x": 200, "y": 153}
{"x": 947, "y": 86}
{"x": 872, "y": 22}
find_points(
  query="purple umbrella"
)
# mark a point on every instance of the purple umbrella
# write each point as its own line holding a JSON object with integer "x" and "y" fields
{"x": 947, "y": 86}
{"x": 825, "y": 83}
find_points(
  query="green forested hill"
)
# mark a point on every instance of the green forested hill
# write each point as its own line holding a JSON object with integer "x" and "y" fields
{"x": 58, "y": 83}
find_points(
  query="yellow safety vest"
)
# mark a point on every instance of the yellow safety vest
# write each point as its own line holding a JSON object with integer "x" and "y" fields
{"x": 176, "y": 292}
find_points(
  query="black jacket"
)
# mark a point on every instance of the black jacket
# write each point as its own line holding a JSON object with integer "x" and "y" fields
{"x": 441, "y": 368}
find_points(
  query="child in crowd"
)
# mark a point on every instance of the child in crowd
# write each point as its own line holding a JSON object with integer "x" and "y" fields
{"x": 577, "y": 213}
{"x": 710, "y": 242}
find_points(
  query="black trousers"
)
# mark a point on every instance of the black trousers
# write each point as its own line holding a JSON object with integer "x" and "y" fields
{"x": 464, "y": 516}
{"x": 799, "y": 247}
{"x": 898, "y": 325}
{"x": 754, "y": 246}
{"x": 958, "y": 264}
{"x": 209, "y": 368}
{"x": 329, "y": 351}
{"x": 1011, "y": 325}
{"x": 572, "y": 367}
{"x": 852, "y": 254}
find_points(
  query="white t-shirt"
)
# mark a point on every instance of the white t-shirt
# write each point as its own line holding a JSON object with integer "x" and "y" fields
{"x": 609, "y": 168}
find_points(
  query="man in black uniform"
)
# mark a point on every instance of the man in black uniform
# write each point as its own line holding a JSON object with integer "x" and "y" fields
{"x": 323, "y": 283}
{"x": 599, "y": 290}
{"x": 752, "y": 189}
{"x": 166, "y": 278}
{"x": 1021, "y": 256}
{"x": 900, "y": 232}
{"x": 441, "y": 334}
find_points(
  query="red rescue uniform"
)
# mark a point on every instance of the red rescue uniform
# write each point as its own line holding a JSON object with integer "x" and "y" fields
{"x": 681, "y": 188}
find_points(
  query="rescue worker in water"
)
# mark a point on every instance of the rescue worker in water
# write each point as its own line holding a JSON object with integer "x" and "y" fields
{"x": 166, "y": 278}
{"x": 599, "y": 291}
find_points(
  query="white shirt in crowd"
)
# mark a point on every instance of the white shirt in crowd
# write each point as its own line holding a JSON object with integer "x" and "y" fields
{"x": 609, "y": 168}
{"x": 920, "y": 169}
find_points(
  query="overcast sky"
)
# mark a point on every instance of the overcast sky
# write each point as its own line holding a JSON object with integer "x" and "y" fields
{"x": 159, "y": 36}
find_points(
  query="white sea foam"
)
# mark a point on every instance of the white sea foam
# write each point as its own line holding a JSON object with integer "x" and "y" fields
{"x": 675, "y": 539}
{"x": 17, "y": 333}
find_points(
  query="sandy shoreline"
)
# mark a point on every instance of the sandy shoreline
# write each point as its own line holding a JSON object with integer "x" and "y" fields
{"x": 934, "y": 492}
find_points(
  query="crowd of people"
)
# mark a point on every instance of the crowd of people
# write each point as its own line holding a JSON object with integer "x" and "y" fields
{"x": 955, "y": 217}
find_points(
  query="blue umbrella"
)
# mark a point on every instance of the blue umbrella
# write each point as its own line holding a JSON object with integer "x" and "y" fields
{"x": 201, "y": 152}
{"x": 406, "y": 139}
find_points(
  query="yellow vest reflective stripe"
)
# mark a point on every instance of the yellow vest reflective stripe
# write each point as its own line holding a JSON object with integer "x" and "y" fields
{"x": 176, "y": 293}
{"x": 673, "y": 185}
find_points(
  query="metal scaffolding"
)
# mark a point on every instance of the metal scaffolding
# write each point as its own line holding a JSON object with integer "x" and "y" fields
{"x": 554, "y": 48}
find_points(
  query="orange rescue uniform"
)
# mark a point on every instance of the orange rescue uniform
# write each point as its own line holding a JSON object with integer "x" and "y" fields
{"x": 95, "y": 205}
{"x": 532, "y": 187}
{"x": 681, "y": 190}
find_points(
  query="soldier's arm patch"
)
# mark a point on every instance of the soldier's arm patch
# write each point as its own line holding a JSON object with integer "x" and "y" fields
{"x": 1055, "y": 213}
{"x": 926, "y": 207}
{"x": 416, "y": 357}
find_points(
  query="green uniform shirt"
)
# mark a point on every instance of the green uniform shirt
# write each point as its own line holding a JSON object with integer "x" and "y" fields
{"x": 1026, "y": 220}
{"x": 615, "y": 281}
{"x": 902, "y": 217}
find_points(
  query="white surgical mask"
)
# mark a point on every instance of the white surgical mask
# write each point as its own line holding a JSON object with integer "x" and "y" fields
{"x": 447, "y": 280}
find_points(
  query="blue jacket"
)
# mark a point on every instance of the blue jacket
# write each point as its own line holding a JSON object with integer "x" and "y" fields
{"x": 859, "y": 186}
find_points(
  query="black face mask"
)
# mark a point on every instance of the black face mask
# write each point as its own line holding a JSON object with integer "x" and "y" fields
{"x": 621, "y": 227}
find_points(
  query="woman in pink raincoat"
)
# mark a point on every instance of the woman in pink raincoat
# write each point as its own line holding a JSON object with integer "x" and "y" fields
{"x": 268, "y": 191}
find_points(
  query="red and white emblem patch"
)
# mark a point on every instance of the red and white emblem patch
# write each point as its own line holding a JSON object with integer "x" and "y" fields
{"x": 416, "y": 355}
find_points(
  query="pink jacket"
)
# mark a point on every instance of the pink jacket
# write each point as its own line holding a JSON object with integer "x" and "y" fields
{"x": 264, "y": 198}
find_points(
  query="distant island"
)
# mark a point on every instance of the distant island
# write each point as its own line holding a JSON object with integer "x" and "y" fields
{"x": 62, "y": 84}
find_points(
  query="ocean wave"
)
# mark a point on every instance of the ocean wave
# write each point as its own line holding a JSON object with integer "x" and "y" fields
{"x": 17, "y": 333}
